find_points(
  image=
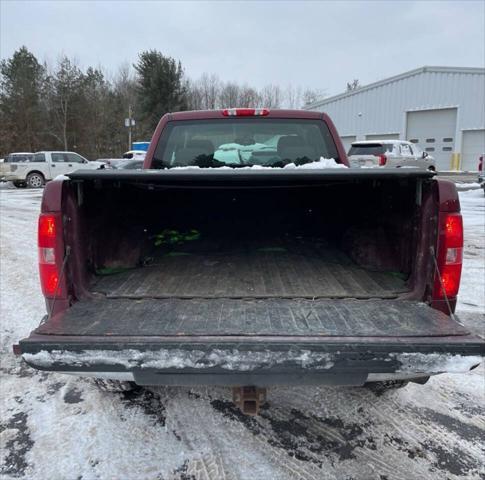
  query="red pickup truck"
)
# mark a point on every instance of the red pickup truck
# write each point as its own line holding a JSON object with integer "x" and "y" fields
{"x": 246, "y": 253}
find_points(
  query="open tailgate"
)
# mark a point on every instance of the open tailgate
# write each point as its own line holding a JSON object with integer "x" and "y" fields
{"x": 251, "y": 341}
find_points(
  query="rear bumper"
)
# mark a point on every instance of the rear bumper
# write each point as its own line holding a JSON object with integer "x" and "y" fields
{"x": 260, "y": 361}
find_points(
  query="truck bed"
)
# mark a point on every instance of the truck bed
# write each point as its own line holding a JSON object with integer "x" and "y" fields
{"x": 265, "y": 270}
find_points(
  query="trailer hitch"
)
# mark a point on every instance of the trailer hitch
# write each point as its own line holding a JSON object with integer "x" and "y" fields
{"x": 249, "y": 399}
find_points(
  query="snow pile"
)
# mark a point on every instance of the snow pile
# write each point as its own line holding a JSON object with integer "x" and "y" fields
{"x": 178, "y": 358}
{"x": 60, "y": 178}
{"x": 467, "y": 186}
{"x": 435, "y": 362}
{"x": 323, "y": 163}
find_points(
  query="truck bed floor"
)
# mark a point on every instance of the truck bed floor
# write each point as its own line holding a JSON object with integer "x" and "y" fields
{"x": 250, "y": 317}
{"x": 290, "y": 271}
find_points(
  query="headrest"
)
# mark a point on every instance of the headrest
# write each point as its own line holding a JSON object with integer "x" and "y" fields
{"x": 187, "y": 156}
{"x": 289, "y": 141}
{"x": 205, "y": 147}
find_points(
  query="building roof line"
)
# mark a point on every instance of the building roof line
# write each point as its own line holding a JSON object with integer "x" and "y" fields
{"x": 410, "y": 73}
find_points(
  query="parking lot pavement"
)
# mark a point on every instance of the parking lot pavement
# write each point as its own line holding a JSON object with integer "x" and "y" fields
{"x": 54, "y": 426}
{"x": 460, "y": 177}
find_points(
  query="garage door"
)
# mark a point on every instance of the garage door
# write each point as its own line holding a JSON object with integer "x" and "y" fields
{"x": 384, "y": 136}
{"x": 347, "y": 141}
{"x": 473, "y": 147}
{"x": 434, "y": 131}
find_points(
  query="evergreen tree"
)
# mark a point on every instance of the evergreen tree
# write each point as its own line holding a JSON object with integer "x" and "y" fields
{"x": 21, "y": 109}
{"x": 161, "y": 87}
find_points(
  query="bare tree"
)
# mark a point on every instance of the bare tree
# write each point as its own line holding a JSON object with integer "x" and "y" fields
{"x": 311, "y": 96}
{"x": 209, "y": 87}
{"x": 64, "y": 89}
{"x": 293, "y": 97}
{"x": 194, "y": 95}
{"x": 353, "y": 85}
{"x": 229, "y": 95}
{"x": 271, "y": 96}
{"x": 248, "y": 97}
{"x": 125, "y": 85}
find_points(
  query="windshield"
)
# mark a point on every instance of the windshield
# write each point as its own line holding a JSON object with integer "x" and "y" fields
{"x": 243, "y": 142}
{"x": 370, "y": 149}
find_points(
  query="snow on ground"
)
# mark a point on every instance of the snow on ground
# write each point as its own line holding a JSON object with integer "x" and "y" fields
{"x": 472, "y": 289}
{"x": 61, "y": 427}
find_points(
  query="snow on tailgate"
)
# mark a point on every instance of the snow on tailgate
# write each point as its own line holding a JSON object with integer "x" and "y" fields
{"x": 177, "y": 358}
{"x": 435, "y": 362}
{"x": 240, "y": 360}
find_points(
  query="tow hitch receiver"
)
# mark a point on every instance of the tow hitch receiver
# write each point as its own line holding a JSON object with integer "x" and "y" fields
{"x": 249, "y": 399}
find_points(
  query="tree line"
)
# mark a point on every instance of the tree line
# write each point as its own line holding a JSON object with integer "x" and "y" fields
{"x": 65, "y": 107}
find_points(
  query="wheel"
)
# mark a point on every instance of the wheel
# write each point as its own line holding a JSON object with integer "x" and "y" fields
{"x": 384, "y": 386}
{"x": 431, "y": 168}
{"x": 35, "y": 180}
{"x": 19, "y": 184}
{"x": 114, "y": 386}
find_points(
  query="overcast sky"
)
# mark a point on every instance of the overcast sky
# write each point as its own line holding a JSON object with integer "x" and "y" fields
{"x": 313, "y": 44}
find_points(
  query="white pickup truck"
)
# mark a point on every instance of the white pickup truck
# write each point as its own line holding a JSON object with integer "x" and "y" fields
{"x": 45, "y": 166}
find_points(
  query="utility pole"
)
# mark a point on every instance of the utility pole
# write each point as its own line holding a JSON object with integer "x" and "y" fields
{"x": 129, "y": 123}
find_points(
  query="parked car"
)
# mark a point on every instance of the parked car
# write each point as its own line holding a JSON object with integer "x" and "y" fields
{"x": 251, "y": 277}
{"x": 45, "y": 166}
{"x": 128, "y": 165}
{"x": 12, "y": 158}
{"x": 135, "y": 154}
{"x": 389, "y": 154}
{"x": 122, "y": 163}
{"x": 110, "y": 162}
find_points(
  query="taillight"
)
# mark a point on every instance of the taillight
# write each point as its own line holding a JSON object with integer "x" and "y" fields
{"x": 47, "y": 230}
{"x": 449, "y": 256}
{"x": 382, "y": 160}
{"x": 480, "y": 164}
{"x": 245, "y": 112}
{"x": 50, "y": 254}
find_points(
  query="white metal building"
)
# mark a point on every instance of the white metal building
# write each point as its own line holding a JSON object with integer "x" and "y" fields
{"x": 440, "y": 108}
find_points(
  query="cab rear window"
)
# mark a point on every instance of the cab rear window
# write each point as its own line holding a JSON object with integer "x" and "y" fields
{"x": 242, "y": 142}
{"x": 14, "y": 158}
{"x": 370, "y": 149}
